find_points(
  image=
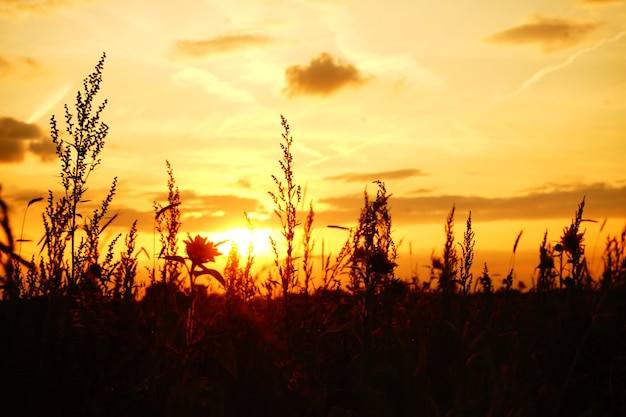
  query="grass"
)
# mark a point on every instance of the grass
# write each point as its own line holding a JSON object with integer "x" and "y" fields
{"x": 78, "y": 340}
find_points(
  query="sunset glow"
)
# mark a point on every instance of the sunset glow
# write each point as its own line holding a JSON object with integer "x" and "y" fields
{"x": 243, "y": 238}
{"x": 514, "y": 112}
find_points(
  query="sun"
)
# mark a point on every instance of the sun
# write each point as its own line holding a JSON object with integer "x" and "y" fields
{"x": 243, "y": 237}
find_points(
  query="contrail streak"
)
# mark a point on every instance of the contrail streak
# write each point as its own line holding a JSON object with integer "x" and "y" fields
{"x": 48, "y": 104}
{"x": 537, "y": 76}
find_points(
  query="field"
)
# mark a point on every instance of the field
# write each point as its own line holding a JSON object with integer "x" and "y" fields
{"x": 80, "y": 335}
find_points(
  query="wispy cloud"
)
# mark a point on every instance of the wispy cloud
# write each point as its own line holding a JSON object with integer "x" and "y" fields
{"x": 197, "y": 77}
{"x": 602, "y": 201}
{"x": 601, "y": 2}
{"x": 537, "y": 76}
{"x": 16, "y": 7}
{"x": 20, "y": 66}
{"x": 200, "y": 212}
{"x": 551, "y": 33}
{"x": 220, "y": 44}
{"x": 49, "y": 102}
{"x": 398, "y": 174}
{"x": 17, "y": 138}
{"x": 324, "y": 75}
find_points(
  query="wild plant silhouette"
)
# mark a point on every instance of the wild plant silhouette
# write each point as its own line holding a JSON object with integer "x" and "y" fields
{"x": 357, "y": 340}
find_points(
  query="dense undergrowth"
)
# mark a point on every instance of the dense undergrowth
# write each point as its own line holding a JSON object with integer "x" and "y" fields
{"x": 76, "y": 339}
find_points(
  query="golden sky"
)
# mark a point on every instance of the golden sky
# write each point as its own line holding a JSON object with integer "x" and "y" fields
{"x": 514, "y": 111}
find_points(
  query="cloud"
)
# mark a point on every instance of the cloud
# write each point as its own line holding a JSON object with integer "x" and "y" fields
{"x": 211, "y": 84}
{"x": 601, "y": 2}
{"x": 398, "y": 174}
{"x": 601, "y": 201}
{"x": 323, "y": 76}
{"x": 44, "y": 148}
{"x": 539, "y": 75}
{"x": 244, "y": 182}
{"x": 551, "y": 33}
{"x": 10, "y": 66}
{"x": 217, "y": 45}
{"x": 422, "y": 191}
{"x": 203, "y": 211}
{"x": 16, "y": 138}
{"x": 200, "y": 213}
{"x": 15, "y": 7}
{"x": 5, "y": 67}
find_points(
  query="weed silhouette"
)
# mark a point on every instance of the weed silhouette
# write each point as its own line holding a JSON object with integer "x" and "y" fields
{"x": 79, "y": 340}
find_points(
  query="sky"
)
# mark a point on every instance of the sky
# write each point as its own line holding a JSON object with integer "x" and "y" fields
{"x": 514, "y": 112}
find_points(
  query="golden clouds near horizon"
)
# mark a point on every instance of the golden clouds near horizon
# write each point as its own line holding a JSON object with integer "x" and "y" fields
{"x": 17, "y": 138}
{"x": 219, "y": 44}
{"x": 323, "y": 75}
{"x": 551, "y": 33}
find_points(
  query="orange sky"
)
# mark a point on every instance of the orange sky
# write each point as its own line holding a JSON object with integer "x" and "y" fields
{"x": 514, "y": 111}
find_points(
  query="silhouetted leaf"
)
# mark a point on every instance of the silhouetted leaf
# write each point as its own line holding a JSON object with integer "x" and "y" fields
{"x": 175, "y": 258}
{"x": 108, "y": 223}
{"x": 164, "y": 209}
{"x": 33, "y": 201}
{"x": 333, "y": 226}
{"x": 207, "y": 271}
{"x": 9, "y": 251}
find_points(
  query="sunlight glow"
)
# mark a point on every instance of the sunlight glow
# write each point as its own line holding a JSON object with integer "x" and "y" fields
{"x": 242, "y": 237}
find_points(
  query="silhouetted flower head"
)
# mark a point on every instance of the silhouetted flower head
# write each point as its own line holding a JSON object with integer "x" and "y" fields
{"x": 436, "y": 262}
{"x": 381, "y": 264}
{"x": 200, "y": 250}
{"x": 571, "y": 241}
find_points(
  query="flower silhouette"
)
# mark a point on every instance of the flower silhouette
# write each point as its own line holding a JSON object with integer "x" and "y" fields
{"x": 201, "y": 251}
{"x": 571, "y": 241}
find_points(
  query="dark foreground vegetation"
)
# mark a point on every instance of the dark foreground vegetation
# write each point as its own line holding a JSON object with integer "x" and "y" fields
{"x": 80, "y": 336}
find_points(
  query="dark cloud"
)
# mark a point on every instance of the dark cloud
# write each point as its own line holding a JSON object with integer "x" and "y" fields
{"x": 601, "y": 201}
{"x": 398, "y": 174}
{"x": 44, "y": 148}
{"x": 551, "y": 33}
{"x": 16, "y": 138}
{"x": 220, "y": 44}
{"x": 11, "y": 150}
{"x": 200, "y": 212}
{"x": 11, "y": 128}
{"x": 323, "y": 76}
{"x": 210, "y": 210}
{"x": 13, "y": 133}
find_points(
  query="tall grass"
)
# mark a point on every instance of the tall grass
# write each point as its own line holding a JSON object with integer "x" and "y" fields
{"x": 167, "y": 224}
{"x": 79, "y": 156}
{"x": 240, "y": 282}
{"x": 373, "y": 255}
{"x": 614, "y": 260}
{"x": 77, "y": 338}
{"x": 286, "y": 199}
{"x": 467, "y": 257}
{"x": 447, "y": 279}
